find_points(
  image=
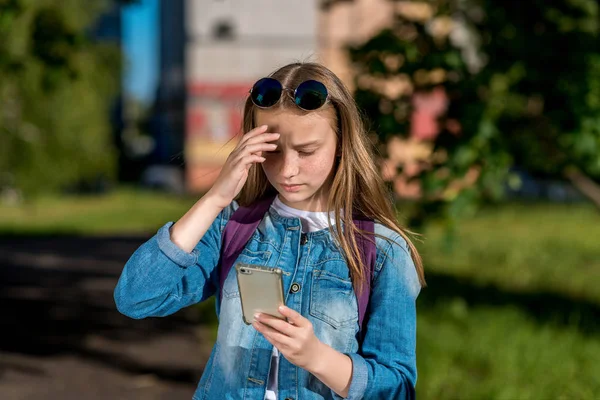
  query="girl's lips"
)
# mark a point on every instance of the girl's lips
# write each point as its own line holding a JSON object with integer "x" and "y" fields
{"x": 291, "y": 188}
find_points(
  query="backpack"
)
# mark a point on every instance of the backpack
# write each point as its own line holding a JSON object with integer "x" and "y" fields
{"x": 244, "y": 222}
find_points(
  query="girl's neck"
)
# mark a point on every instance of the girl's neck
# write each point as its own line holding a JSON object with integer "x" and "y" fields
{"x": 312, "y": 221}
{"x": 281, "y": 203}
{"x": 315, "y": 204}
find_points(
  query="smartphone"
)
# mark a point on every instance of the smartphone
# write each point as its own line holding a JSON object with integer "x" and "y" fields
{"x": 261, "y": 290}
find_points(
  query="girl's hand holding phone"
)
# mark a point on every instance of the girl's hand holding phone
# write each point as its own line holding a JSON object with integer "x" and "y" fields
{"x": 235, "y": 170}
{"x": 294, "y": 338}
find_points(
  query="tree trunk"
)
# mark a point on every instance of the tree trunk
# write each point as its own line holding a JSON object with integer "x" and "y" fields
{"x": 585, "y": 185}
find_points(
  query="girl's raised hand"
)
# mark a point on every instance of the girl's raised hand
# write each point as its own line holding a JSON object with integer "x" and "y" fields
{"x": 234, "y": 173}
{"x": 295, "y": 339}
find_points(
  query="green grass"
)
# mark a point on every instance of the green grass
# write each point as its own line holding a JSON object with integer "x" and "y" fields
{"x": 483, "y": 352}
{"x": 512, "y": 310}
{"x": 544, "y": 247}
{"x": 125, "y": 211}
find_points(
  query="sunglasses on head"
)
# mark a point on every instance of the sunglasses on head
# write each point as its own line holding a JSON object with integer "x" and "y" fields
{"x": 309, "y": 95}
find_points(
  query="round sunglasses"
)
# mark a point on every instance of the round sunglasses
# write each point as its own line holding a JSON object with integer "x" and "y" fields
{"x": 309, "y": 95}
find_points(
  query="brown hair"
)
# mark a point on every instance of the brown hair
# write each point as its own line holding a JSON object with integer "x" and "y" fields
{"x": 357, "y": 185}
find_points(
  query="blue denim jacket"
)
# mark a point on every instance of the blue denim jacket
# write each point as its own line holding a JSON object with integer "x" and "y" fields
{"x": 160, "y": 278}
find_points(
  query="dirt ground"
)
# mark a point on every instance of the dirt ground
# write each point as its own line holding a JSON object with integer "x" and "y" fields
{"x": 62, "y": 338}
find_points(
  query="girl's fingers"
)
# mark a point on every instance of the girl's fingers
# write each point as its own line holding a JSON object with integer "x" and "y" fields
{"x": 278, "y": 324}
{"x": 255, "y": 148}
{"x": 293, "y": 316}
{"x": 276, "y": 338}
{"x": 262, "y": 138}
{"x": 258, "y": 144}
{"x": 250, "y": 159}
{"x": 253, "y": 133}
{"x": 257, "y": 133}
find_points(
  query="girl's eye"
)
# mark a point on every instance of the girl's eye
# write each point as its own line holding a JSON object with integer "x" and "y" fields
{"x": 306, "y": 153}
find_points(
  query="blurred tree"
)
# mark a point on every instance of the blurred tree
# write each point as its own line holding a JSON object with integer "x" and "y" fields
{"x": 56, "y": 87}
{"x": 521, "y": 81}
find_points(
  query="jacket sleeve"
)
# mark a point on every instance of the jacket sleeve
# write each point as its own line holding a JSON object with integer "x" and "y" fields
{"x": 385, "y": 367}
{"x": 160, "y": 278}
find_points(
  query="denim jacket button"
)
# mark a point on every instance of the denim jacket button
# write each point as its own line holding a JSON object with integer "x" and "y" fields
{"x": 295, "y": 288}
{"x": 303, "y": 239}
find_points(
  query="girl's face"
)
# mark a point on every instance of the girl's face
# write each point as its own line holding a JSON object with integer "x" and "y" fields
{"x": 301, "y": 168}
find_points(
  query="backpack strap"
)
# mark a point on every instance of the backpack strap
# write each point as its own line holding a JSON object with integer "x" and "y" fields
{"x": 368, "y": 255}
{"x": 244, "y": 222}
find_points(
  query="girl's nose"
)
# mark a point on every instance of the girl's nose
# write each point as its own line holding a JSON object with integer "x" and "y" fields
{"x": 289, "y": 169}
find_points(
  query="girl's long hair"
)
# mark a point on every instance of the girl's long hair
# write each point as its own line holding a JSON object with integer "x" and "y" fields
{"x": 357, "y": 186}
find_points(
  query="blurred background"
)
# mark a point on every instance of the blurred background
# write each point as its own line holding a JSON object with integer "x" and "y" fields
{"x": 115, "y": 116}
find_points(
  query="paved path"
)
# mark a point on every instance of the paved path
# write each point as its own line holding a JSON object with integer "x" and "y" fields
{"x": 61, "y": 337}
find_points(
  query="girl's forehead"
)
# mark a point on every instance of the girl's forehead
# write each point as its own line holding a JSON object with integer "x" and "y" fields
{"x": 295, "y": 124}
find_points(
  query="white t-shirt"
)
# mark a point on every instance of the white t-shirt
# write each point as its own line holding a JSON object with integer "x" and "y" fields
{"x": 312, "y": 221}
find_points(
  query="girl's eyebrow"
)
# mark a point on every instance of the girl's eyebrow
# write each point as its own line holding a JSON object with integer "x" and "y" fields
{"x": 306, "y": 144}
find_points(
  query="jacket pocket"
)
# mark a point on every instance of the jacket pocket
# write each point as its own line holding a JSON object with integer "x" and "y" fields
{"x": 230, "y": 287}
{"x": 332, "y": 300}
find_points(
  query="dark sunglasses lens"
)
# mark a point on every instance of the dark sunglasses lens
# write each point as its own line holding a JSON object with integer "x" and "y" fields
{"x": 266, "y": 92}
{"x": 311, "y": 95}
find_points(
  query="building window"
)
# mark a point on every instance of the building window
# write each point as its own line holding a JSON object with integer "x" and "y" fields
{"x": 223, "y": 30}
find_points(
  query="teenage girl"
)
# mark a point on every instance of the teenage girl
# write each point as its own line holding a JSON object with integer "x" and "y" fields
{"x": 304, "y": 144}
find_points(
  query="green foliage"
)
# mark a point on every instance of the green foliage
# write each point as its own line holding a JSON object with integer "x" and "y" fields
{"x": 56, "y": 88}
{"x": 523, "y": 82}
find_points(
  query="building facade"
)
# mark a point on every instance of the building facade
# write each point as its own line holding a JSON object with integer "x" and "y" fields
{"x": 212, "y": 51}
{"x": 230, "y": 44}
